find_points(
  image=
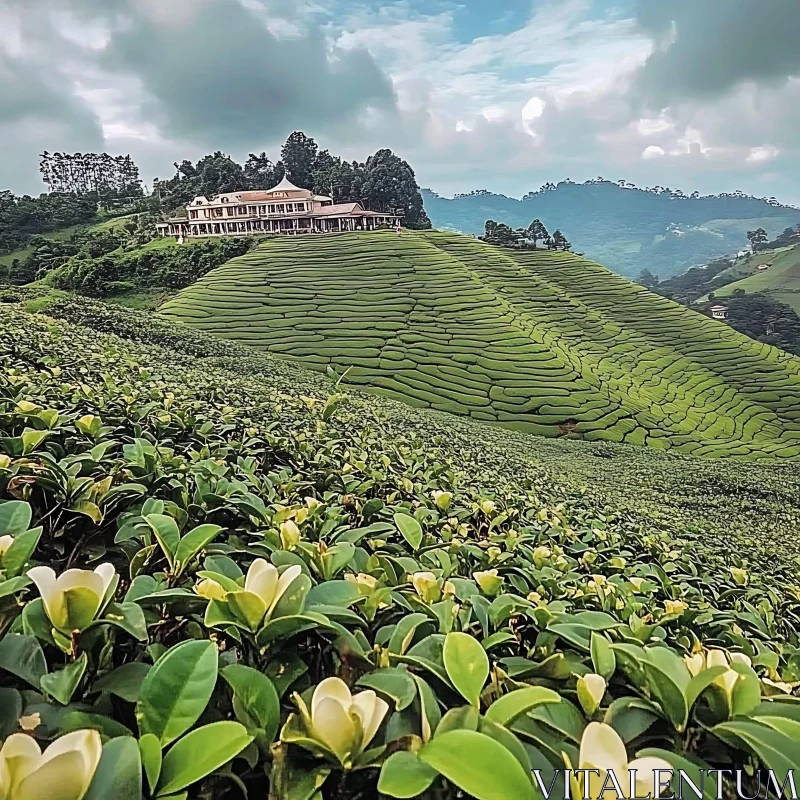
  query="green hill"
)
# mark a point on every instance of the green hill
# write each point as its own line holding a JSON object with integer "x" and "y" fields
{"x": 542, "y": 342}
{"x": 781, "y": 281}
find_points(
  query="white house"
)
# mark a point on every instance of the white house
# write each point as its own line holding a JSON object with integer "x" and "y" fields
{"x": 284, "y": 209}
{"x": 719, "y": 312}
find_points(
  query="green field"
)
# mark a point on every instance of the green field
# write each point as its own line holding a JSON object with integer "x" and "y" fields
{"x": 542, "y": 342}
{"x": 781, "y": 281}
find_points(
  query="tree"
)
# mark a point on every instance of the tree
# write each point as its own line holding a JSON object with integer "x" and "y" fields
{"x": 390, "y": 185}
{"x": 299, "y": 155}
{"x": 560, "y": 241}
{"x": 647, "y": 279}
{"x": 758, "y": 239}
{"x": 536, "y": 232}
{"x": 259, "y": 172}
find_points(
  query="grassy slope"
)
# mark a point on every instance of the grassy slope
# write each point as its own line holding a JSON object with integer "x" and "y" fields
{"x": 65, "y": 233}
{"x": 781, "y": 280}
{"x": 715, "y": 506}
{"x": 542, "y": 342}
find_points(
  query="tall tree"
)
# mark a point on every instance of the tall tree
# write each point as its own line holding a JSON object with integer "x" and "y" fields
{"x": 390, "y": 185}
{"x": 758, "y": 239}
{"x": 560, "y": 241}
{"x": 647, "y": 279}
{"x": 259, "y": 172}
{"x": 536, "y": 232}
{"x": 299, "y": 155}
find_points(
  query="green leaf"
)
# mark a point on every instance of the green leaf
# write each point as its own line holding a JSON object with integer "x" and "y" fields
{"x": 10, "y": 711}
{"x": 150, "y": 750}
{"x": 700, "y": 682}
{"x": 20, "y": 551}
{"x": 61, "y": 685}
{"x": 177, "y": 690}
{"x": 514, "y": 704}
{"x": 478, "y": 765}
{"x": 192, "y": 543}
{"x": 15, "y": 517}
{"x": 166, "y": 532}
{"x": 31, "y": 439}
{"x": 23, "y": 656}
{"x": 630, "y": 716}
{"x": 394, "y": 683}
{"x": 403, "y": 633}
{"x": 333, "y": 593}
{"x": 119, "y": 773}
{"x": 603, "y": 658}
{"x": 293, "y": 600}
{"x": 403, "y": 775}
{"x": 125, "y": 681}
{"x": 668, "y": 679}
{"x": 127, "y": 616}
{"x": 467, "y": 665}
{"x": 774, "y": 749}
{"x": 201, "y": 752}
{"x": 410, "y": 528}
{"x": 255, "y": 699}
{"x": 14, "y": 585}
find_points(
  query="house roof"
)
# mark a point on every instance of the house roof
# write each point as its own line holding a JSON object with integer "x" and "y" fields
{"x": 719, "y": 308}
{"x": 286, "y": 186}
{"x": 338, "y": 209}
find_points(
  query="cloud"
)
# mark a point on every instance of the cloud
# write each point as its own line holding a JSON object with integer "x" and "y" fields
{"x": 653, "y": 151}
{"x": 705, "y": 49}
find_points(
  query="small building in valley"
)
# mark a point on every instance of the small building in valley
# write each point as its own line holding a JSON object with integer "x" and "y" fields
{"x": 719, "y": 312}
{"x": 285, "y": 209}
{"x": 762, "y": 267}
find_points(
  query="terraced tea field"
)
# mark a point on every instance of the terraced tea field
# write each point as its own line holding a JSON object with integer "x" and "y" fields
{"x": 542, "y": 342}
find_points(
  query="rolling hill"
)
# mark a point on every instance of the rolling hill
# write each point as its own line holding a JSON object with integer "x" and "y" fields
{"x": 542, "y": 342}
{"x": 781, "y": 281}
{"x": 625, "y": 229}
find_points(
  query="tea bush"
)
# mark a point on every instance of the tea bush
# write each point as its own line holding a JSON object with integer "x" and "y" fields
{"x": 223, "y": 577}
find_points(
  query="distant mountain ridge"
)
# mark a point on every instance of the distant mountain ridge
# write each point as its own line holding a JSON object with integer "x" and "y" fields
{"x": 623, "y": 227}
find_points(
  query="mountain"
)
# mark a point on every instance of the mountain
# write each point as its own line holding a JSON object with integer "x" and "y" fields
{"x": 537, "y": 341}
{"x": 625, "y": 228}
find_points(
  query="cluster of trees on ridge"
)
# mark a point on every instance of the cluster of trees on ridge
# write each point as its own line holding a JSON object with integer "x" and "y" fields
{"x": 384, "y": 182}
{"x": 502, "y": 235}
{"x": 91, "y": 174}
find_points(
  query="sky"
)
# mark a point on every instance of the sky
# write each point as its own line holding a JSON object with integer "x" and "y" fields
{"x": 479, "y": 94}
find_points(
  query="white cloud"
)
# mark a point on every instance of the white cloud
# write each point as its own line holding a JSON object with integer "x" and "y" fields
{"x": 765, "y": 152}
{"x": 653, "y": 151}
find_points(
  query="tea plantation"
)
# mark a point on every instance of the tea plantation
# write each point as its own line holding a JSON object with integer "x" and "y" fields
{"x": 221, "y": 576}
{"x": 538, "y": 342}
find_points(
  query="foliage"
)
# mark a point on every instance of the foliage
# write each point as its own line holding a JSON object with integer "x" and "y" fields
{"x": 97, "y": 174}
{"x": 24, "y": 217}
{"x": 536, "y": 340}
{"x": 174, "y": 266}
{"x": 523, "y": 238}
{"x": 299, "y": 155}
{"x": 765, "y": 319}
{"x": 436, "y": 603}
{"x": 622, "y": 226}
{"x": 758, "y": 239}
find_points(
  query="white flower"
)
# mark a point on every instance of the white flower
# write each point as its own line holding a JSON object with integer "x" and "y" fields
{"x": 290, "y": 535}
{"x": 64, "y": 771}
{"x": 366, "y": 583}
{"x": 343, "y": 723}
{"x": 602, "y": 749}
{"x": 591, "y": 689}
{"x": 263, "y": 587}
{"x": 442, "y": 499}
{"x": 72, "y": 600}
{"x": 5, "y": 542}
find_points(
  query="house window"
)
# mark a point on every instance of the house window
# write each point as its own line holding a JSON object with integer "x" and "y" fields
{"x": 242, "y": 211}
{"x": 272, "y": 209}
{"x": 281, "y": 208}
{"x": 217, "y": 212}
{"x": 193, "y": 214}
{"x": 300, "y": 206}
{"x": 253, "y": 211}
{"x": 262, "y": 210}
{"x": 229, "y": 211}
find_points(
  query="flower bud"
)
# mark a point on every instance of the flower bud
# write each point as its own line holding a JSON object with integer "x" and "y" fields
{"x": 427, "y": 587}
{"x": 5, "y": 542}
{"x": 442, "y": 499}
{"x": 591, "y": 689}
{"x": 488, "y": 507}
{"x": 488, "y": 581}
{"x": 290, "y": 535}
{"x": 675, "y": 607}
{"x": 210, "y": 589}
{"x": 739, "y": 575}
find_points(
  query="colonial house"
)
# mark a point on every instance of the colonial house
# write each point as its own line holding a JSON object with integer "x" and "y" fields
{"x": 719, "y": 312}
{"x": 284, "y": 209}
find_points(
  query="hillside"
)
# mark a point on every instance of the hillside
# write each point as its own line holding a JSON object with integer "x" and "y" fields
{"x": 541, "y": 342}
{"x": 257, "y": 540}
{"x": 626, "y": 229}
{"x": 781, "y": 281}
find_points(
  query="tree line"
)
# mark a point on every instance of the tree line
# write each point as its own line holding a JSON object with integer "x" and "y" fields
{"x": 500, "y": 234}
{"x": 384, "y": 182}
{"x": 94, "y": 174}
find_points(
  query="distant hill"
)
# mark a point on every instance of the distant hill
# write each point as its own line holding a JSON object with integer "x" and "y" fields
{"x": 537, "y": 341}
{"x": 627, "y": 229}
{"x": 781, "y": 280}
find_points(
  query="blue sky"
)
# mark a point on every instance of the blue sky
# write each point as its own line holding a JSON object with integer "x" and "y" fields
{"x": 695, "y": 94}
